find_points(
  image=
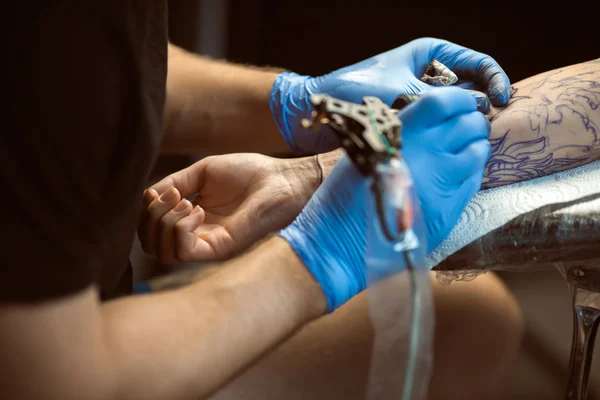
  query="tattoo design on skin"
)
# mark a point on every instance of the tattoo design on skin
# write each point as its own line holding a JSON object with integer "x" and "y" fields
{"x": 513, "y": 99}
{"x": 567, "y": 98}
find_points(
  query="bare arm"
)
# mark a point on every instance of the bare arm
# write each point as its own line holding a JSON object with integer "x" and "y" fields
{"x": 552, "y": 123}
{"x": 216, "y": 107}
{"x": 180, "y": 344}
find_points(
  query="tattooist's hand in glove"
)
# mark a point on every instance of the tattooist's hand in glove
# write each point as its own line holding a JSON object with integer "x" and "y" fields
{"x": 445, "y": 148}
{"x": 386, "y": 76}
{"x": 240, "y": 198}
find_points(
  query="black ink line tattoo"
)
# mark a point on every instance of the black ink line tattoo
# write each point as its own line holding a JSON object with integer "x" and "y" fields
{"x": 526, "y": 160}
{"x": 513, "y": 99}
{"x": 569, "y": 97}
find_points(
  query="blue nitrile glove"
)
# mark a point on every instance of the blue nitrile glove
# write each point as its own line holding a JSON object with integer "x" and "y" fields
{"x": 386, "y": 76}
{"x": 445, "y": 148}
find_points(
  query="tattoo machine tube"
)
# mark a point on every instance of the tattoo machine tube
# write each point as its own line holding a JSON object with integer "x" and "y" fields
{"x": 399, "y": 291}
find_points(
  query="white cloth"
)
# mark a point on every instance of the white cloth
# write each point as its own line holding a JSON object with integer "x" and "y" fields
{"x": 492, "y": 208}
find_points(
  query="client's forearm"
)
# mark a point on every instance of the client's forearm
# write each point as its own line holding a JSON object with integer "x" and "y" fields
{"x": 552, "y": 123}
{"x": 213, "y": 106}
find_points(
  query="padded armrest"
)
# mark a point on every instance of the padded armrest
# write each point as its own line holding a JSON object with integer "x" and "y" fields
{"x": 543, "y": 236}
{"x": 545, "y": 220}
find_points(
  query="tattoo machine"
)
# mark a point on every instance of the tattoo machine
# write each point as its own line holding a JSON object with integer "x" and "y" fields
{"x": 395, "y": 252}
{"x": 436, "y": 74}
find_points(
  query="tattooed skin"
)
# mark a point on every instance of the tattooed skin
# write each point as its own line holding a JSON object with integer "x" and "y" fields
{"x": 551, "y": 123}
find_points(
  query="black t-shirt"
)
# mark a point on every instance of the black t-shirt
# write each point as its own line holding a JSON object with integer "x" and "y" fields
{"x": 84, "y": 103}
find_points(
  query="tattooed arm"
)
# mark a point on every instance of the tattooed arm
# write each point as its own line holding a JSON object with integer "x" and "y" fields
{"x": 552, "y": 123}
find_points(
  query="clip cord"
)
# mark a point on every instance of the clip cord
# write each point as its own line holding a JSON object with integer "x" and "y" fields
{"x": 378, "y": 189}
{"x": 415, "y": 330}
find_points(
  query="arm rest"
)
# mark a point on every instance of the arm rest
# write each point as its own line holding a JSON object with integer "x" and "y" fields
{"x": 543, "y": 236}
{"x": 527, "y": 223}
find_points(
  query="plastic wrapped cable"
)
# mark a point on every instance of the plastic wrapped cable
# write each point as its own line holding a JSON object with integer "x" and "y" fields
{"x": 399, "y": 293}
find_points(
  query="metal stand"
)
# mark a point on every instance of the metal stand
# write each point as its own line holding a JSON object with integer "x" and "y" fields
{"x": 584, "y": 284}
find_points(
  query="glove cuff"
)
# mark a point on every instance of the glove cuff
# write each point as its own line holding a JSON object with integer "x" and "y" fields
{"x": 338, "y": 281}
{"x": 289, "y": 103}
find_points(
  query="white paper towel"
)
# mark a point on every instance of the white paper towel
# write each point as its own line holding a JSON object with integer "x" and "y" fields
{"x": 492, "y": 208}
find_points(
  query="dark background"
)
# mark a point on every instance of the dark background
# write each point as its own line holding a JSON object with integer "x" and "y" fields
{"x": 314, "y": 37}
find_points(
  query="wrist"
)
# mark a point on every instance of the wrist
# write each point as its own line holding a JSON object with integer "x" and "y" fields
{"x": 304, "y": 177}
{"x": 330, "y": 237}
{"x": 325, "y": 259}
{"x": 306, "y": 174}
{"x": 328, "y": 161}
